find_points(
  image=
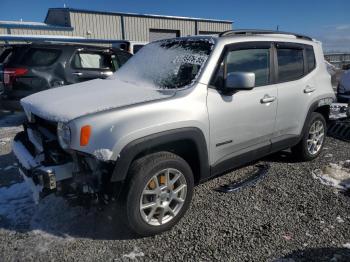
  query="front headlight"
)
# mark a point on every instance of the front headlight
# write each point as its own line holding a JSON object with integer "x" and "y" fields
{"x": 64, "y": 135}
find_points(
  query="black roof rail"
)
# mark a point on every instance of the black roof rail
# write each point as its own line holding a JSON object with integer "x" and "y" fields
{"x": 261, "y": 32}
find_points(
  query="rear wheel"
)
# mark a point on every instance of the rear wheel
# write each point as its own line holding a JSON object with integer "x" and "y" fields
{"x": 313, "y": 140}
{"x": 159, "y": 193}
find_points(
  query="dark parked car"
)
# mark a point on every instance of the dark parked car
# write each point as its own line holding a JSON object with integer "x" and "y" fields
{"x": 30, "y": 68}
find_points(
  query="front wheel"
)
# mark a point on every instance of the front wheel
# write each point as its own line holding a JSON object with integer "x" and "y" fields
{"x": 159, "y": 193}
{"x": 313, "y": 140}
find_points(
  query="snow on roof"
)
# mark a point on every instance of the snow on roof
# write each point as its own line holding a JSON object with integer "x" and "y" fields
{"x": 34, "y": 25}
{"x": 14, "y": 37}
{"x": 22, "y": 23}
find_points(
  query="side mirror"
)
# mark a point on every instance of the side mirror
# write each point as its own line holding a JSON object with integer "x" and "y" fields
{"x": 239, "y": 81}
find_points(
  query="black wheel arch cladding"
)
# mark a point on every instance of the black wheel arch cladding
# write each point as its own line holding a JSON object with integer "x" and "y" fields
{"x": 148, "y": 143}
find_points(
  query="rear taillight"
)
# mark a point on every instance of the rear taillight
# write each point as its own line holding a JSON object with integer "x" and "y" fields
{"x": 10, "y": 74}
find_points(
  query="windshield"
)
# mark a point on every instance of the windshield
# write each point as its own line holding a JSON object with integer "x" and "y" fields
{"x": 167, "y": 64}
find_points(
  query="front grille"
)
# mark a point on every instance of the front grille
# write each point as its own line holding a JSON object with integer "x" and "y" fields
{"x": 44, "y": 134}
{"x": 49, "y": 125}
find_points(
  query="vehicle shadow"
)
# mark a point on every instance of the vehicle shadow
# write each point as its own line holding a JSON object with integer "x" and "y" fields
{"x": 8, "y": 119}
{"x": 54, "y": 216}
{"x": 317, "y": 255}
{"x": 285, "y": 156}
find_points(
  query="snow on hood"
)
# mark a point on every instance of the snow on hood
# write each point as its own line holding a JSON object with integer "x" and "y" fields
{"x": 69, "y": 102}
{"x": 157, "y": 71}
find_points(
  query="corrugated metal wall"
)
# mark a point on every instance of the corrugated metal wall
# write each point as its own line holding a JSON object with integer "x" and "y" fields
{"x": 109, "y": 26}
{"x": 137, "y": 28}
{"x": 213, "y": 27}
{"x": 95, "y": 25}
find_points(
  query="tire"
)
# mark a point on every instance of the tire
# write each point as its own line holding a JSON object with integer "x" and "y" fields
{"x": 142, "y": 173}
{"x": 302, "y": 151}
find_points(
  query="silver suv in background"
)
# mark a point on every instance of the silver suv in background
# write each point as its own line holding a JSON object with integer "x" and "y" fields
{"x": 181, "y": 111}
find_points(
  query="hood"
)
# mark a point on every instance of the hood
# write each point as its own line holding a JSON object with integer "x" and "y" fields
{"x": 345, "y": 79}
{"x": 69, "y": 102}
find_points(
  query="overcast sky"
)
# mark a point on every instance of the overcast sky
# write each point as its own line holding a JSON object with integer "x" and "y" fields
{"x": 328, "y": 21}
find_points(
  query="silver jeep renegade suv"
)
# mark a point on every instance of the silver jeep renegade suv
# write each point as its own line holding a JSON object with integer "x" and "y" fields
{"x": 176, "y": 114}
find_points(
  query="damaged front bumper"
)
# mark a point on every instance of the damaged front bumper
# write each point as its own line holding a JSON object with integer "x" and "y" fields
{"x": 43, "y": 179}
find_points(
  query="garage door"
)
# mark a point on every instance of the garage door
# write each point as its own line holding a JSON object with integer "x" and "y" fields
{"x": 158, "y": 34}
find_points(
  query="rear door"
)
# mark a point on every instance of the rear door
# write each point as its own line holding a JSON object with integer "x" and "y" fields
{"x": 91, "y": 64}
{"x": 296, "y": 88}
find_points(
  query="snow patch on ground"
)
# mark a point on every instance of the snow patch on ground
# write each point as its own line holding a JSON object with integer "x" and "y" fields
{"x": 17, "y": 205}
{"x": 338, "y": 111}
{"x": 53, "y": 217}
{"x": 103, "y": 154}
{"x": 5, "y": 140}
{"x": 134, "y": 254}
{"x": 335, "y": 175}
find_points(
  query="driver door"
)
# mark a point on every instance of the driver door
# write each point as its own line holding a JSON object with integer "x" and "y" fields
{"x": 242, "y": 124}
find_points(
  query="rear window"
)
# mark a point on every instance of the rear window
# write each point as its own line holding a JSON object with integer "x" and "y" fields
{"x": 290, "y": 64}
{"x": 40, "y": 57}
{"x": 310, "y": 57}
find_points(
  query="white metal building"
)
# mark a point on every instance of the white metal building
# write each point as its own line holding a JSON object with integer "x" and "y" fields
{"x": 112, "y": 25}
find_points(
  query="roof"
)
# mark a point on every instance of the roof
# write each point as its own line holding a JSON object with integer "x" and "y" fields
{"x": 33, "y": 25}
{"x": 143, "y": 15}
{"x": 252, "y": 32}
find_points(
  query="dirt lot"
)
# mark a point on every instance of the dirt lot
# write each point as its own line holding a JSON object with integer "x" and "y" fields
{"x": 287, "y": 216}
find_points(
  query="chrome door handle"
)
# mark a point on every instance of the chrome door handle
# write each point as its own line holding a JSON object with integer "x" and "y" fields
{"x": 108, "y": 73}
{"x": 267, "y": 99}
{"x": 309, "y": 89}
{"x": 77, "y": 73}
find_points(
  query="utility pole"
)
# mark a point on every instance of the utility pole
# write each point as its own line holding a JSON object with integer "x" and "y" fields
{"x": 278, "y": 28}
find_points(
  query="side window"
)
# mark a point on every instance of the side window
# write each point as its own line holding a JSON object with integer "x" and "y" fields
{"x": 41, "y": 57}
{"x": 310, "y": 58}
{"x": 290, "y": 64}
{"x": 247, "y": 60}
{"x": 86, "y": 60}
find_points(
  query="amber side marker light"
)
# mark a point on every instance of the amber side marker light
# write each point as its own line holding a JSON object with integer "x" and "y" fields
{"x": 85, "y": 133}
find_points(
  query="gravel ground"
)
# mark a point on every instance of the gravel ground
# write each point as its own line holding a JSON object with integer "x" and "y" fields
{"x": 287, "y": 216}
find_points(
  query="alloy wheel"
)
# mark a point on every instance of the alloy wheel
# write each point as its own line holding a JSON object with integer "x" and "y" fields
{"x": 163, "y": 197}
{"x": 316, "y": 137}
